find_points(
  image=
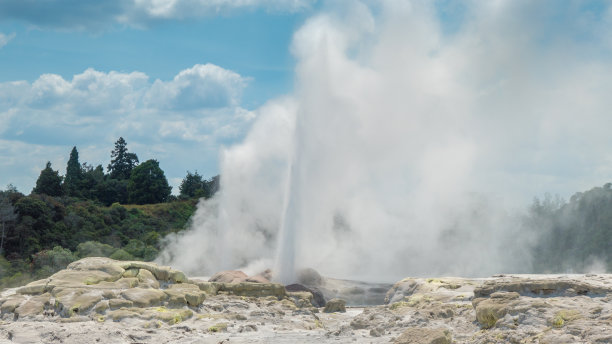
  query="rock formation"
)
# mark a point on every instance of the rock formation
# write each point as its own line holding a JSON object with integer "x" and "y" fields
{"x": 105, "y": 301}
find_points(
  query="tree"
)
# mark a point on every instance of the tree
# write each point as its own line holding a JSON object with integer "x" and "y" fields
{"x": 74, "y": 174}
{"x": 212, "y": 186}
{"x": 148, "y": 184}
{"x": 7, "y": 215}
{"x": 192, "y": 186}
{"x": 111, "y": 190}
{"x": 122, "y": 162}
{"x": 49, "y": 182}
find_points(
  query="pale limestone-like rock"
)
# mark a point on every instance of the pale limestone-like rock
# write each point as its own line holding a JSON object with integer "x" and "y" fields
{"x": 107, "y": 265}
{"x": 10, "y": 303}
{"x": 71, "y": 301}
{"x": 120, "y": 303}
{"x": 35, "y": 305}
{"x": 79, "y": 278}
{"x": 131, "y": 272}
{"x": 169, "y": 316}
{"x": 230, "y": 276}
{"x": 541, "y": 286}
{"x": 144, "y": 297}
{"x": 146, "y": 279}
{"x": 301, "y": 298}
{"x": 210, "y": 288}
{"x": 335, "y": 305}
{"x": 256, "y": 279}
{"x": 185, "y": 294}
{"x": 126, "y": 282}
{"x": 101, "y": 306}
{"x": 253, "y": 289}
{"x": 35, "y": 288}
{"x": 424, "y": 336}
{"x": 161, "y": 273}
{"x": 123, "y": 313}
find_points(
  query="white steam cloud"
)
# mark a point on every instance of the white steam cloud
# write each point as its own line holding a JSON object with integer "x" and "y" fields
{"x": 406, "y": 148}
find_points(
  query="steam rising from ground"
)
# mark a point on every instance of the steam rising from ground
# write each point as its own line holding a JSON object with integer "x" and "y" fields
{"x": 408, "y": 146}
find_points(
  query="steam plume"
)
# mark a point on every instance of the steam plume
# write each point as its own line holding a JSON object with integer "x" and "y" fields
{"x": 407, "y": 148}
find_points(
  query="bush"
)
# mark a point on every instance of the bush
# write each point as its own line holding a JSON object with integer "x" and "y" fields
{"x": 94, "y": 249}
{"x": 121, "y": 254}
{"x": 52, "y": 260}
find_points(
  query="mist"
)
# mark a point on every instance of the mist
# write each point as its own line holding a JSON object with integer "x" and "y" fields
{"x": 411, "y": 148}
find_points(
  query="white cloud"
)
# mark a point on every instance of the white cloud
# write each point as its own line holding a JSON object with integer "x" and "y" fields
{"x": 96, "y": 15}
{"x": 194, "y": 113}
{"x": 4, "y": 39}
{"x": 202, "y": 86}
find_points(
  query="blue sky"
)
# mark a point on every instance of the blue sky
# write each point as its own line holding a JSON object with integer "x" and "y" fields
{"x": 181, "y": 79}
{"x": 248, "y": 41}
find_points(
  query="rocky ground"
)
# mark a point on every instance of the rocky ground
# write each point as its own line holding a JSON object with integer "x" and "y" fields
{"x": 98, "y": 300}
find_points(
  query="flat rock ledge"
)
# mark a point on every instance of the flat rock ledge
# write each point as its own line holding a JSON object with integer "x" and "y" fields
{"x": 106, "y": 301}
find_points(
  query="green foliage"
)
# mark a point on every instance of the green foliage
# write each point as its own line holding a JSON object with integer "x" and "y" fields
{"x": 148, "y": 184}
{"x": 122, "y": 162}
{"x": 574, "y": 235}
{"x": 72, "y": 180}
{"x": 111, "y": 191}
{"x": 94, "y": 249}
{"x": 193, "y": 186}
{"x": 49, "y": 182}
{"x": 53, "y": 260}
{"x": 7, "y": 218}
{"x": 121, "y": 254}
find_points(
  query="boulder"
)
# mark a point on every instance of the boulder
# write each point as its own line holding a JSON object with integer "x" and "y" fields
{"x": 489, "y": 311}
{"x": 185, "y": 294}
{"x": 229, "y": 276}
{"x": 144, "y": 297}
{"x": 210, "y": 288}
{"x": 75, "y": 301}
{"x": 309, "y": 277}
{"x": 11, "y": 302}
{"x": 415, "y": 335}
{"x": 146, "y": 279}
{"x": 318, "y": 300}
{"x": 35, "y": 288}
{"x": 335, "y": 305}
{"x": 35, "y": 305}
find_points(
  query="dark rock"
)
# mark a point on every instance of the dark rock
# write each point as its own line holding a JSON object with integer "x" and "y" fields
{"x": 318, "y": 299}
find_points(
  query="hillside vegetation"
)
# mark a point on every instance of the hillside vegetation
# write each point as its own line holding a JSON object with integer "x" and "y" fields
{"x": 122, "y": 214}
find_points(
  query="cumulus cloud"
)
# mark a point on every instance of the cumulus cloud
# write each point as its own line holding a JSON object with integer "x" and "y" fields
{"x": 193, "y": 114}
{"x": 203, "y": 86}
{"x": 407, "y": 146}
{"x": 95, "y": 15}
{"x": 4, "y": 39}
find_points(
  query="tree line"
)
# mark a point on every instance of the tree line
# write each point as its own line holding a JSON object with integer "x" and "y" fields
{"x": 122, "y": 213}
{"x": 126, "y": 181}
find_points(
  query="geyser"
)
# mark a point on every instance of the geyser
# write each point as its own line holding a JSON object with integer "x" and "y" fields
{"x": 408, "y": 146}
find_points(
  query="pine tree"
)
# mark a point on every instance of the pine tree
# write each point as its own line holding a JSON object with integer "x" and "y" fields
{"x": 49, "y": 182}
{"x": 148, "y": 184}
{"x": 7, "y": 215}
{"x": 122, "y": 162}
{"x": 74, "y": 174}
